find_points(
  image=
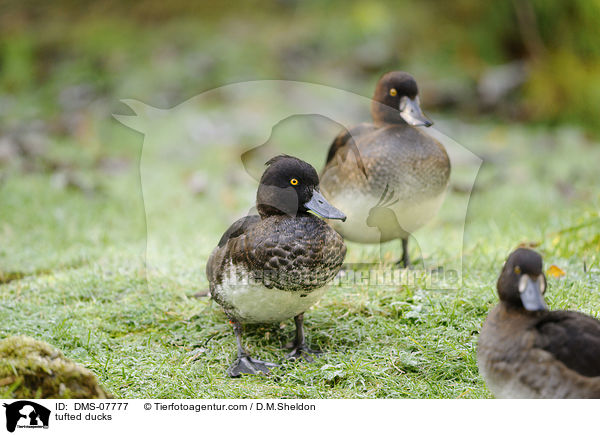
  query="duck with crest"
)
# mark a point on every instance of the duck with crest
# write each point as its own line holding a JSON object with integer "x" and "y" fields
{"x": 389, "y": 154}
{"x": 273, "y": 266}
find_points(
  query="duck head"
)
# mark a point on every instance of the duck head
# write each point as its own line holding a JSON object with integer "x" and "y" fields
{"x": 522, "y": 282}
{"x": 290, "y": 186}
{"x": 396, "y": 101}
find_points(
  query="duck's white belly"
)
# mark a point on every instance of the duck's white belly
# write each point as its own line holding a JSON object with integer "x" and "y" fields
{"x": 252, "y": 302}
{"x": 362, "y": 226}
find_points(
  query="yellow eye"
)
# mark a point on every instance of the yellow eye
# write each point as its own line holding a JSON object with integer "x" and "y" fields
{"x": 393, "y": 92}
{"x": 517, "y": 270}
{"x": 293, "y": 181}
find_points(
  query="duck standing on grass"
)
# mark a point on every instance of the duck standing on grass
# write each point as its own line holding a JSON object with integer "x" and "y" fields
{"x": 273, "y": 266}
{"x": 527, "y": 351}
{"x": 391, "y": 156}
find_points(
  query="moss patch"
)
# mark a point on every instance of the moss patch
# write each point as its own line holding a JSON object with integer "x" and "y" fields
{"x": 33, "y": 369}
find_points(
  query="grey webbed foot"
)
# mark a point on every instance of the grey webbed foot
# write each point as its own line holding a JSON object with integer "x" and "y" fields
{"x": 246, "y": 365}
{"x": 303, "y": 352}
{"x": 404, "y": 263}
{"x": 301, "y": 349}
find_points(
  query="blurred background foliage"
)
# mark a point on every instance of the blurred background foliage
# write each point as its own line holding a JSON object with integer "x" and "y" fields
{"x": 521, "y": 60}
{"x": 65, "y": 65}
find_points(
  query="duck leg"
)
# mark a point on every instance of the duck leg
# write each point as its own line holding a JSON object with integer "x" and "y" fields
{"x": 244, "y": 364}
{"x": 301, "y": 349}
{"x": 405, "y": 261}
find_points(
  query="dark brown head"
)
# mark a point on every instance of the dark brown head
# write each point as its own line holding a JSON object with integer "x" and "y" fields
{"x": 290, "y": 186}
{"x": 522, "y": 282}
{"x": 396, "y": 101}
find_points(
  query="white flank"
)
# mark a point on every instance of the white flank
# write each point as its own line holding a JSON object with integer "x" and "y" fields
{"x": 411, "y": 215}
{"x": 254, "y": 303}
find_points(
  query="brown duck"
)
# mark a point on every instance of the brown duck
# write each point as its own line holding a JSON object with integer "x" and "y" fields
{"x": 390, "y": 157}
{"x": 527, "y": 351}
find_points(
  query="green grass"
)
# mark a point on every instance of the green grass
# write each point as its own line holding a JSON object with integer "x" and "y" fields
{"x": 73, "y": 274}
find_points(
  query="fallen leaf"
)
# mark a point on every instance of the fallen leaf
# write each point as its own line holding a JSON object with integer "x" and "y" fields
{"x": 555, "y": 272}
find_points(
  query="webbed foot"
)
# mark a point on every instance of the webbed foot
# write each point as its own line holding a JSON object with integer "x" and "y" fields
{"x": 405, "y": 264}
{"x": 246, "y": 365}
{"x": 303, "y": 352}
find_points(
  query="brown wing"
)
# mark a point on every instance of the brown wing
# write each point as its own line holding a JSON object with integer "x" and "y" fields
{"x": 221, "y": 252}
{"x": 572, "y": 338}
{"x": 345, "y": 142}
{"x": 238, "y": 228}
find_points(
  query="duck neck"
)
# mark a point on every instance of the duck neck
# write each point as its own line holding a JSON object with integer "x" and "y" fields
{"x": 383, "y": 114}
{"x": 511, "y": 306}
{"x": 275, "y": 201}
{"x": 265, "y": 211}
{"x": 520, "y": 309}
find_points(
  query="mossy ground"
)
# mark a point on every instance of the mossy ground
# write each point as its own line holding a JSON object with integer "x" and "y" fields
{"x": 33, "y": 369}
